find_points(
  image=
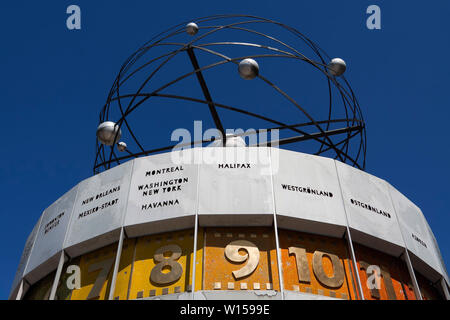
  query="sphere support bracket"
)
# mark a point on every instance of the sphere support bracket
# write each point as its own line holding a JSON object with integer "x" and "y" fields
{"x": 201, "y": 80}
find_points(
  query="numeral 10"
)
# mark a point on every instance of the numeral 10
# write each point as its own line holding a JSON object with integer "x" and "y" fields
{"x": 335, "y": 281}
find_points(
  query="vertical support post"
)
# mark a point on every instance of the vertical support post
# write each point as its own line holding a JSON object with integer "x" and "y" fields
{"x": 20, "y": 291}
{"x": 212, "y": 107}
{"x": 406, "y": 254}
{"x": 194, "y": 247}
{"x": 116, "y": 265}
{"x": 348, "y": 237}
{"x": 275, "y": 226}
{"x": 203, "y": 258}
{"x": 412, "y": 275}
{"x": 132, "y": 270}
{"x": 194, "y": 252}
{"x": 277, "y": 244}
{"x": 57, "y": 276}
{"x": 445, "y": 289}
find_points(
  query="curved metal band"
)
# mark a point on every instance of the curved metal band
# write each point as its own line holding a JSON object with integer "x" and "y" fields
{"x": 342, "y": 148}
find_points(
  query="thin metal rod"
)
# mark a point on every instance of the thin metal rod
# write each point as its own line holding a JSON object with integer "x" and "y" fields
{"x": 412, "y": 275}
{"x": 281, "y": 125}
{"x": 406, "y": 255}
{"x": 348, "y": 236}
{"x": 116, "y": 265}
{"x": 224, "y": 61}
{"x": 57, "y": 275}
{"x": 283, "y": 94}
{"x": 279, "y": 263}
{"x": 194, "y": 247}
{"x": 206, "y": 93}
{"x": 194, "y": 259}
{"x": 445, "y": 288}
{"x": 275, "y": 227}
{"x": 280, "y": 50}
{"x": 132, "y": 270}
{"x": 309, "y": 136}
{"x": 352, "y": 253}
{"x": 240, "y": 110}
{"x": 283, "y": 141}
{"x": 20, "y": 291}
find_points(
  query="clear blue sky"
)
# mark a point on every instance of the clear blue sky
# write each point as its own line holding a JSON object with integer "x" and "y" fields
{"x": 55, "y": 81}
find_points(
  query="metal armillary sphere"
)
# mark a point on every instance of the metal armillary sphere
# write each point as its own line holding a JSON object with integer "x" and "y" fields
{"x": 290, "y": 84}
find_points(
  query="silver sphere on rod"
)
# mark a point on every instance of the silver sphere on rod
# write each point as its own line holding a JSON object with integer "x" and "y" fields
{"x": 108, "y": 133}
{"x": 337, "y": 67}
{"x": 248, "y": 69}
{"x": 122, "y": 146}
{"x": 192, "y": 28}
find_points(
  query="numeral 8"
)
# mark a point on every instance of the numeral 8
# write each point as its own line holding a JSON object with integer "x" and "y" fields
{"x": 176, "y": 269}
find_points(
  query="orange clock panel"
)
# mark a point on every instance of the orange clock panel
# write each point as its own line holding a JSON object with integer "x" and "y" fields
{"x": 41, "y": 289}
{"x": 163, "y": 264}
{"x": 240, "y": 259}
{"x": 68, "y": 279}
{"x": 393, "y": 281}
{"x": 427, "y": 289}
{"x": 124, "y": 270}
{"x": 96, "y": 270}
{"x": 316, "y": 264}
{"x": 233, "y": 259}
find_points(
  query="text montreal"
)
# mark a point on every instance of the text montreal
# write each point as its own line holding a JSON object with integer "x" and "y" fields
{"x": 164, "y": 170}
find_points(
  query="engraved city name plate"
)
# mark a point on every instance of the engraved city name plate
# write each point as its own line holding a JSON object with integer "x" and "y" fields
{"x": 369, "y": 210}
{"x": 307, "y": 193}
{"x": 414, "y": 229}
{"x": 235, "y": 186}
{"x": 50, "y": 238}
{"x": 163, "y": 193}
{"x": 98, "y": 211}
{"x": 24, "y": 258}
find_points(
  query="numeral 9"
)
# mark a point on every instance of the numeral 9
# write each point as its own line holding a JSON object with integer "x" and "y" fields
{"x": 252, "y": 256}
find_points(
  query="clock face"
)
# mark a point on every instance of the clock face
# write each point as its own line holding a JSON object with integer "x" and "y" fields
{"x": 232, "y": 258}
{"x": 163, "y": 264}
{"x": 41, "y": 289}
{"x": 316, "y": 264}
{"x": 240, "y": 259}
{"x": 394, "y": 281}
{"x": 95, "y": 274}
